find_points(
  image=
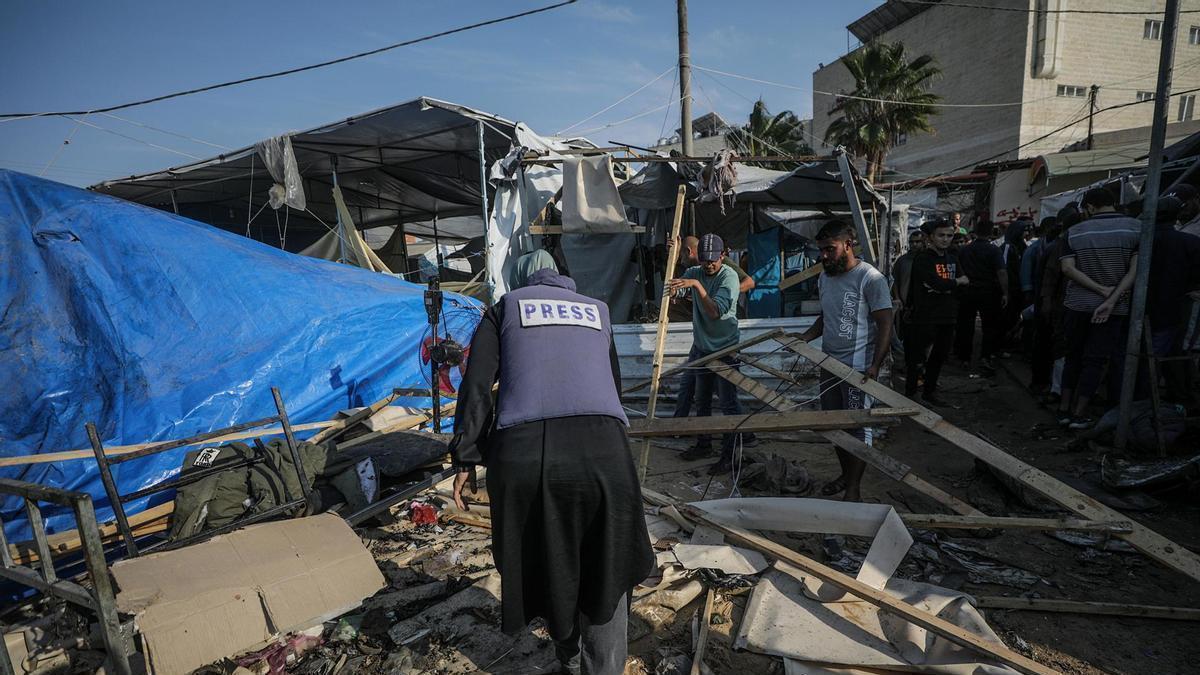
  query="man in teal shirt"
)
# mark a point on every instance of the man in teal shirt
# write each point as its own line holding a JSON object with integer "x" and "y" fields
{"x": 714, "y": 289}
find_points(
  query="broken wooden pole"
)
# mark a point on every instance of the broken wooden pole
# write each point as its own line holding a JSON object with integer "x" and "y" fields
{"x": 868, "y": 594}
{"x": 765, "y": 422}
{"x": 702, "y": 641}
{"x": 342, "y": 425}
{"x": 1147, "y": 541}
{"x": 660, "y": 340}
{"x": 935, "y": 521}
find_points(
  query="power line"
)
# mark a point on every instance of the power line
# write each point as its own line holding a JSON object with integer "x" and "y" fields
{"x": 291, "y": 71}
{"x": 1027, "y": 10}
{"x": 1065, "y": 126}
{"x": 631, "y": 118}
{"x": 169, "y": 133}
{"x": 617, "y": 103}
{"x": 127, "y": 137}
{"x": 868, "y": 98}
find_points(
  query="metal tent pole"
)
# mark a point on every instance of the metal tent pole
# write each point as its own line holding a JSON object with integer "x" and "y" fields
{"x": 483, "y": 200}
{"x": 1137, "y": 308}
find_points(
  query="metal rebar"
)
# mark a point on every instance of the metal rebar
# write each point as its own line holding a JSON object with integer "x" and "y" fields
{"x": 110, "y": 488}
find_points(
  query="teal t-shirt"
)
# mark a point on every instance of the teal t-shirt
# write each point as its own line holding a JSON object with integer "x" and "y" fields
{"x": 709, "y": 334}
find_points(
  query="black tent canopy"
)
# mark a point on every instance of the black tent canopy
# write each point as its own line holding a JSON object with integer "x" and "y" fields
{"x": 409, "y": 163}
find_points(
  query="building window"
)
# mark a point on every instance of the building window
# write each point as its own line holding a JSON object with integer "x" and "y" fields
{"x": 1194, "y": 35}
{"x": 1143, "y": 96}
{"x": 1072, "y": 90}
{"x": 1152, "y": 30}
{"x": 1187, "y": 105}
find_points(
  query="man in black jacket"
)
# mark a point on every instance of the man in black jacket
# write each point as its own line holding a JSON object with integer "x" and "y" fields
{"x": 935, "y": 279}
{"x": 986, "y": 297}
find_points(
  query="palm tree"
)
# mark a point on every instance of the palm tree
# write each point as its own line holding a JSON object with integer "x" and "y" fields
{"x": 869, "y": 128}
{"x": 767, "y": 134}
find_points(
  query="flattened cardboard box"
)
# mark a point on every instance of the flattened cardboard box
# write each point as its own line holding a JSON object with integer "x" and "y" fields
{"x": 201, "y": 603}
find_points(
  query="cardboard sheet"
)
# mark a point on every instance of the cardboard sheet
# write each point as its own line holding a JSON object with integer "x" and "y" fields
{"x": 200, "y": 603}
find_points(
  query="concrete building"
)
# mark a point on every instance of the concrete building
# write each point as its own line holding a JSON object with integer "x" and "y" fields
{"x": 1042, "y": 65}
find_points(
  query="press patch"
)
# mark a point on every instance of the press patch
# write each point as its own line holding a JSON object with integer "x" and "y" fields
{"x": 206, "y": 457}
{"x": 559, "y": 313}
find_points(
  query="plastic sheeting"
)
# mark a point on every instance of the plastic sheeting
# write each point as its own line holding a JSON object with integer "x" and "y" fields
{"x": 155, "y": 327}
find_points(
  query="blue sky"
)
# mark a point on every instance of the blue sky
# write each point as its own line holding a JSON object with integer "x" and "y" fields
{"x": 550, "y": 70}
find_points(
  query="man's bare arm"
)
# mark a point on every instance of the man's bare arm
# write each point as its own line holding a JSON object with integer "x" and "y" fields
{"x": 883, "y": 339}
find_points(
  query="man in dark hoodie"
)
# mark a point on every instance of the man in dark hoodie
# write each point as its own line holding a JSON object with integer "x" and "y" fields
{"x": 935, "y": 280}
{"x": 1012, "y": 250}
{"x": 568, "y": 533}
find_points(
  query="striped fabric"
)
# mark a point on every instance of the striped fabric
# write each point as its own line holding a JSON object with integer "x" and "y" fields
{"x": 1102, "y": 247}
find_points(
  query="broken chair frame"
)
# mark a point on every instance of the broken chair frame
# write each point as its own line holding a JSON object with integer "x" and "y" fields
{"x": 117, "y": 500}
{"x": 99, "y": 599}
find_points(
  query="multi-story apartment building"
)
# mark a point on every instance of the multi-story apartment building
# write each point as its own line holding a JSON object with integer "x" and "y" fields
{"x": 1042, "y": 65}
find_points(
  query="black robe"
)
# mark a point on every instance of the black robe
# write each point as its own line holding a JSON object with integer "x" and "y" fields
{"x": 568, "y": 531}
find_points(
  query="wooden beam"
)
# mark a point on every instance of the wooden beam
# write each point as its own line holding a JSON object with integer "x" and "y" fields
{"x": 342, "y": 425}
{"x": 557, "y": 229}
{"x": 765, "y": 422}
{"x": 890, "y": 466}
{"x": 660, "y": 340}
{"x": 150, "y": 521}
{"x": 704, "y": 360}
{"x": 937, "y": 521}
{"x": 808, "y": 273}
{"x": 702, "y": 641}
{"x": 544, "y": 213}
{"x": 872, "y": 596}
{"x": 114, "y": 450}
{"x": 1081, "y": 607}
{"x": 782, "y": 159}
{"x": 1142, "y": 538}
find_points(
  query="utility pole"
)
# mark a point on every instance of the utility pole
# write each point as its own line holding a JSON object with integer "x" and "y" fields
{"x": 685, "y": 82}
{"x": 1158, "y": 133}
{"x": 1091, "y": 112}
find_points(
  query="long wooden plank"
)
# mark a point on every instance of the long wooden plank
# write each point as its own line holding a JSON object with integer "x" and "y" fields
{"x": 1083, "y": 607}
{"x": 764, "y": 422}
{"x": 113, "y": 450}
{"x": 660, "y": 339}
{"x": 704, "y": 360}
{"x": 937, "y": 521}
{"x": 1142, "y": 538}
{"x": 890, "y": 466}
{"x": 702, "y": 640}
{"x": 873, "y": 596}
{"x": 155, "y": 519}
{"x": 343, "y": 424}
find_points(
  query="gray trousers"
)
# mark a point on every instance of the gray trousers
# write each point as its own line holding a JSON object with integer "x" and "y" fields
{"x": 597, "y": 648}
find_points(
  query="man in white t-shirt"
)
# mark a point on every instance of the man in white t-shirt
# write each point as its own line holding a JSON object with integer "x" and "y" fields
{"x": 855, "y": 327}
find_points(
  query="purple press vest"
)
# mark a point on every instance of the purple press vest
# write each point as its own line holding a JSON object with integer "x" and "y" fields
{"x": 554, "y": 354}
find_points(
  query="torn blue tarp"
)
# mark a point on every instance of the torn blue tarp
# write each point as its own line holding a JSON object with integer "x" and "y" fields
{"x": 157, "y": 327}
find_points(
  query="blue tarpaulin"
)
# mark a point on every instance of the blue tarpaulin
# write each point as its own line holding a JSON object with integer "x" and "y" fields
{"x": 155, "y": 327}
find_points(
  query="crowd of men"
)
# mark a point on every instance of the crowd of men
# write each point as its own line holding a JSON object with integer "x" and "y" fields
{"x": 1056, "y": 293}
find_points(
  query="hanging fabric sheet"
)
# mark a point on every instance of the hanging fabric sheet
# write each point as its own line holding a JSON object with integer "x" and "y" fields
{"x": 591, "y": 203}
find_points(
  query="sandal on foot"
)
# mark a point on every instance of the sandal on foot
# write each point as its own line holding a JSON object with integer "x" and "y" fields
{"x": 834, "y": 486}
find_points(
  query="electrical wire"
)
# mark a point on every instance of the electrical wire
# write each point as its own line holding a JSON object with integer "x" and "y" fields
{"x": 169, "y": 133}
{"x": 619, "y": 102}
{"x": 290, "y": 71}
{"x": 127, "y": 137}
{"x": 631, "y": 118}
{"x": 866, "y": 98}
{"x": 1028, "y": 10}
{"x": 61, "y": 148}
{"x": 667, "y": 115}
